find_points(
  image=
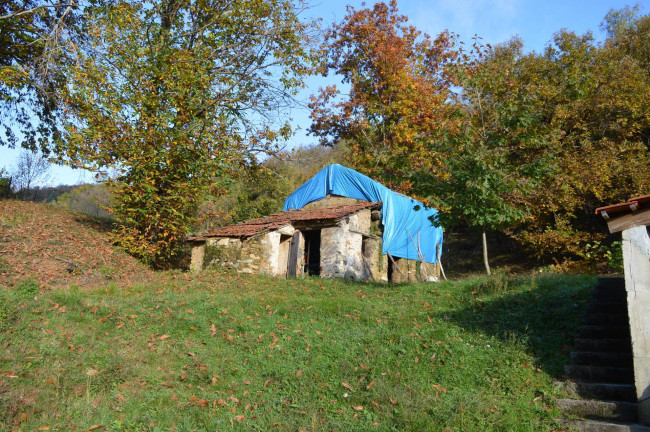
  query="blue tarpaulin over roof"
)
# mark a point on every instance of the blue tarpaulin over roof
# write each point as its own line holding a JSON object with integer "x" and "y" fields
{"x": 400, "y": 214}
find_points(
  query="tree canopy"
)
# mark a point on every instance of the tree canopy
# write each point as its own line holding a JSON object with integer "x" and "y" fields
{"x": 497, "y": 138}
{"x": 164, "y": 97}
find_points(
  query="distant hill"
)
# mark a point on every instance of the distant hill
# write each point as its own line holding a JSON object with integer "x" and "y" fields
{"x": 58, "y": 247}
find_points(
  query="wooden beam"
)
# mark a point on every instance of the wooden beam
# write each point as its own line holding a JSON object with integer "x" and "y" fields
{"x": 640, "y": 217}
{"x": 396, "y": 266}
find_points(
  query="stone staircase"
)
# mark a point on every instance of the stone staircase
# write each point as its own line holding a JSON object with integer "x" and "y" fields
{"x": 601, "y": 375}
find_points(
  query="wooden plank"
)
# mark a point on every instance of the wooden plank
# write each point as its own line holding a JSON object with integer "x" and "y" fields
{"x": 372, "y": 236}
{"x": 641, "y": 217}
{"x": 292, "y": 265}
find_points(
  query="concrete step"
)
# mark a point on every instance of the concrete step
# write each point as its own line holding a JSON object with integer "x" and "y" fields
{"x": 605, "y": 318}
{"x": 591, "y": 358}
{"x": 599, "y": 374}
{"x": 623, "y": 346}
{"x": 607, "y": 306}
{"x": 600, "y": 410}
{"x": 613, "y": 282}
{"x": 603, "y": 332}
{"x": 603, "y": 391}
{"x": 598, "y": 426}
{"x": 609, "y": 293}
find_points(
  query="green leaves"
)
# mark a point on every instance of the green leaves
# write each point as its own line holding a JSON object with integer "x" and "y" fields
{"x": 173, "y": 97}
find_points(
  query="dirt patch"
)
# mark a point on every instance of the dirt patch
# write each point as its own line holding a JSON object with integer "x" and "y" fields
{"x": 59, "y": 248}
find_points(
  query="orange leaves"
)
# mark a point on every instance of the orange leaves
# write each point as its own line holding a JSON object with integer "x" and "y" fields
{"x": 199, "y": 402}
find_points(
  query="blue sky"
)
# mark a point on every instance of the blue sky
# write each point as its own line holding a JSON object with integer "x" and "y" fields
{"x": 535, "y": 21}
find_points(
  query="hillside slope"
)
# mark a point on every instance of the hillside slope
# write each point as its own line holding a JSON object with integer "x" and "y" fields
{"x": 59, "y": 247}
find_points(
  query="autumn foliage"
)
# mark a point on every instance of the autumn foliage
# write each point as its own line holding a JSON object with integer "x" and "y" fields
{"x": 398, "y": 89}
{"x": 497, "y": 138}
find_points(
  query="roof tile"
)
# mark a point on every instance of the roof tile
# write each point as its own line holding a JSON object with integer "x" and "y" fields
{"x": 277, "y": 220}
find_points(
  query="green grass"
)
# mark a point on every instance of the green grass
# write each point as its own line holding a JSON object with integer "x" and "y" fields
{"x": 217, "y": 352}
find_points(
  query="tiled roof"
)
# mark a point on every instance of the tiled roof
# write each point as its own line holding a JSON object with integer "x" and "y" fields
{"x": 277, "y": 220}
{"x": 632, "y": 205}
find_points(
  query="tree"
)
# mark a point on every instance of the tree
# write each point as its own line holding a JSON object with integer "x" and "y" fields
{"x": 31, "y": 36}
{"x": 257, "y": 193}
{"x": 172, "y": 95}
{"x": 31, "y": 167}
{"x": 596, "y": 105}
{"x": 500, "y": 155}
{"x": 397, "y": 98}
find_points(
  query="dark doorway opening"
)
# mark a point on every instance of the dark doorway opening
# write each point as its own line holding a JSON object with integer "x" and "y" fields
{"x": 312, "y": 252}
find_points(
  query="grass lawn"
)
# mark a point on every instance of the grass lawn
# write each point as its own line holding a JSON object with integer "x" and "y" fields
{"x": 220, "y": 352}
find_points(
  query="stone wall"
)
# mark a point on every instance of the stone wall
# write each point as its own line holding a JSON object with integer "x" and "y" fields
{"x": 331, "y": 201}
{"x": 250, "y": 256}
{"x": 636, "y": 259}
{"x": 341, "y": 246}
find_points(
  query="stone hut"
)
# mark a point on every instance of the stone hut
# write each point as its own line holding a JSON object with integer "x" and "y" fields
{"x": 342, "y": 240}
{"x": 339, "y": 223}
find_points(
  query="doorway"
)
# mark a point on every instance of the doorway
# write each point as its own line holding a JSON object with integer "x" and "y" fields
{"x": 312, "y": 253}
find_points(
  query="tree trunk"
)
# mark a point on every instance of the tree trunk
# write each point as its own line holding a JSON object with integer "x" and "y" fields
{"x": 485, "y": 254}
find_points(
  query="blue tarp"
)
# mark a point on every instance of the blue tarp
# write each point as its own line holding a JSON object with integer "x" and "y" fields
{"x": 400, "y": 214}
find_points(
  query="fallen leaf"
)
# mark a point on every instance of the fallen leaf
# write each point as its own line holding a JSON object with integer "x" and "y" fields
{"x": 267, "y": 382}
{"x": 357, "y": 408}
{"x": 347, "y": 386}
{"x": 95, "y": 427}
{"x": 369, "y": 386}
{"x": 164, "y": 337}
{"x": 393, "y": 401}
{"x": 44, "y": 428}
{"x": 437, "y": 387}
{"x": 299, "y": 373}
{"x": 240, "y": 418}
